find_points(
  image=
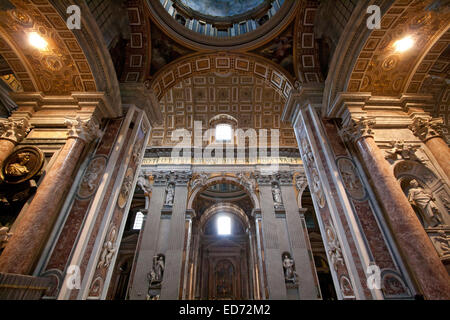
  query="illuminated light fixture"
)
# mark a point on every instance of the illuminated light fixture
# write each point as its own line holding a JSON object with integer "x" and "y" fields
{"x": 224, "y": 226}
{"x": 37, "y": 41}
{"x": 404, "y": 44}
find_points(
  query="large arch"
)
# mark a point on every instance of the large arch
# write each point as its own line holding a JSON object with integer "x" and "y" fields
{"x": 225, "y": 178}
{"x": 222, "y": 62}
{"x": 366, "y": 60}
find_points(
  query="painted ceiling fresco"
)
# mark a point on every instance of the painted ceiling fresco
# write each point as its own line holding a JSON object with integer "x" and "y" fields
{"x": 222, "y": 8}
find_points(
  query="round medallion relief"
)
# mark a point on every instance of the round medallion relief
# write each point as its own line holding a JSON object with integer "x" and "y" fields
{"x": 92, "y": 177}
{"x": 22, "y": 165}
{"x": 351, "y": 179}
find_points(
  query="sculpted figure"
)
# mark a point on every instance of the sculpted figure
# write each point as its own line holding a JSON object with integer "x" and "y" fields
{"x": 288, "y": 266}
{"x": 4, "y": 236}
{"x": 277, "y": 195}
{"x": 19, "y": 168}
{"x": 443, "y": 242}
{"x": 426, "y": 202}
{"x": 108, "y": 251}
{"x": 170, "y": 195}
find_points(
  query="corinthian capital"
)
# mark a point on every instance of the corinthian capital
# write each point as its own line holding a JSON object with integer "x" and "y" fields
{"x": 86, "y": 130}
{"x": 14, "y": 130}
{"x": 427, "y": 128}
{"x": 358, "y": 129}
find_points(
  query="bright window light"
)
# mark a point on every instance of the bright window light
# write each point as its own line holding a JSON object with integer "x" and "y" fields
{"x": 224, "y": 226}
{"x": 37, "y": 41}
{"x": 138, "y": 221}
{"x": 223, "y": 133}
{"x": 404, "y": 44}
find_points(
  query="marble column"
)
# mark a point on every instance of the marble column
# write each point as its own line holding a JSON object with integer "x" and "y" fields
{"x": 272, "y": 252}
{"x": 35, "y": 224}
{"x": 421, "y": 258}
{"x": 174, "y": 255}
{"x": 430, "y": 132}
{"x": 299, "y": 243}
{"x": 12, "y": 132}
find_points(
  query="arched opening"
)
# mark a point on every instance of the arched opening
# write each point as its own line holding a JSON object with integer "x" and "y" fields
{"x": 223, "y": 261}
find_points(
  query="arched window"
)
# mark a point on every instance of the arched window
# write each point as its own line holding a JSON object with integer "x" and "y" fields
{"x": 223, "y": 226}
{"x": 138, "y": 221}
{"x": 224, "y": 132}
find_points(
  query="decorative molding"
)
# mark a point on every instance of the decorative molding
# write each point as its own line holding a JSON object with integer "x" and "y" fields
{"x": 358, "y": 129}
{"x": 14, "y": 130}
{"x": 86, "y": 130}
{"x": 427, "y": 128}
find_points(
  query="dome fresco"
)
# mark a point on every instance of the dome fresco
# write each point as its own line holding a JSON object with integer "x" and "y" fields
{"x": 222, "y": 8}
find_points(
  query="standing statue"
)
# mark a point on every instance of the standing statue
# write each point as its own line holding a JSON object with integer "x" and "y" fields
{"x": 156, "y": 274}
{"x": 288, "y": 266}
{"x": 276, "y": 192}
{"x": 170, "y": 195}
{"x": 426, "y": 202}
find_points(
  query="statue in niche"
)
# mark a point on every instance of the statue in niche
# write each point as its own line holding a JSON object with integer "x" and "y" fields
{"x": 425, "y": 202}
{"x": 170, "y": 194}
{"x": 442, "y": 241}
{"x": 276, "y": 193}
{"x": 288, "y": 267}
{"x": 155, "y": 276}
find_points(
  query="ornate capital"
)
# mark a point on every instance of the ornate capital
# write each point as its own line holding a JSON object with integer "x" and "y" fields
{"x": 358, "y": 129}
{"x": 14, "y": 130}
{"x": 86, "y": 130}
{"x": 427, "y": 128}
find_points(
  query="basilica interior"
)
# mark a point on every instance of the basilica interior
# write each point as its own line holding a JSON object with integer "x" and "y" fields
{"x": 224, "y": 150}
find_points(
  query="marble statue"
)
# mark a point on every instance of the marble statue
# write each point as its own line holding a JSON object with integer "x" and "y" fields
{"x": 425, "y": 202}
{"x": 288, "y": 266}
{"x": 170, "y": 195}
{"x": 156, "y": 274}
{"x": 276, "y": 192}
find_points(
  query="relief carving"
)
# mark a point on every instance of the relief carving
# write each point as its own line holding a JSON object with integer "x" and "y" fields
{"x": 442, "y": 243}
{"x": 22, "y": 165}
{"x": 400, "y": 150}
{"x": 109, "y": 248}
{"x": 351, "y": 179}
{"x": 199, "y": 180}
{"x": 125, "y": 190}
{"x": 248, "y": 182}
{"x": 92, "y": 177}
{"x": 14, "y": 130}
{"x": 334, "y": 248}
